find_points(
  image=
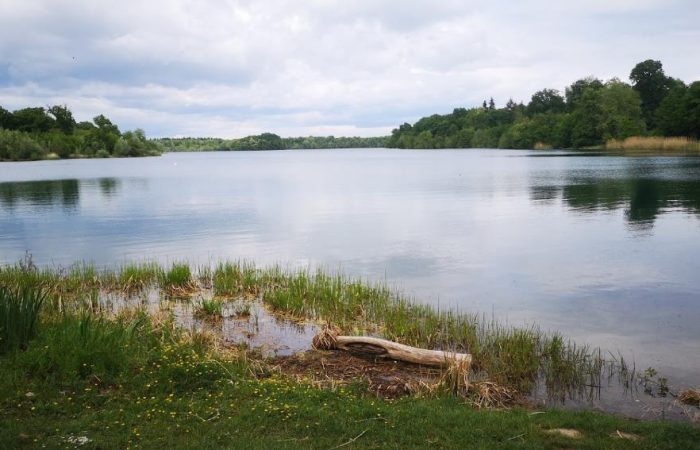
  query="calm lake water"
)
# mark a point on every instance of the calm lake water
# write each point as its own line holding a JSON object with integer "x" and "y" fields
{"x": 604, "y": 249}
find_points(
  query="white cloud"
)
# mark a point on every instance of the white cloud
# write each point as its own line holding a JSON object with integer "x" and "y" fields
{"x": 231, "y": 68}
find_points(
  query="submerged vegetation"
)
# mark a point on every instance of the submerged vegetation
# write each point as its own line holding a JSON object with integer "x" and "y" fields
{"x": 53, "y": 133}
{"x": 268, "y": 141}
{"x": 589, "y": 113}
{"x": 87, "y": 374}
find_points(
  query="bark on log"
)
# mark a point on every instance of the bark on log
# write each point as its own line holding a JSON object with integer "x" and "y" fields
{"x": 388, "y": 349}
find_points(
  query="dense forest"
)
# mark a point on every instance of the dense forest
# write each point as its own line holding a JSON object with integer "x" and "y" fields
{"x": 53, "y": 133}
{"x": 268, "y": 141}
{"x": 588, "y": 114}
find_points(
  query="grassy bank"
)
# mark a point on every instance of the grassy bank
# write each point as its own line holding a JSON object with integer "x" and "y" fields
{"x": 513, "y": 357}
{"x": 75, "y": 372}
{"x": 655, "y": 145}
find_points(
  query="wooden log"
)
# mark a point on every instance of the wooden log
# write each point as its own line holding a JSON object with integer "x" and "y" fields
{"x": 366, "y": 345}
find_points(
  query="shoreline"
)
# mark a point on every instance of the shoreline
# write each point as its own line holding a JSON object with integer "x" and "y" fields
{"x": 117, "y": 361}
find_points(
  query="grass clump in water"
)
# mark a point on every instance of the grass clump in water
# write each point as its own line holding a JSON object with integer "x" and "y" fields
{"x": 178, "y": 279}
{"x": 235, "y": 279}
{"x": 135, "y": 277}
{"x": 210, "y": 307}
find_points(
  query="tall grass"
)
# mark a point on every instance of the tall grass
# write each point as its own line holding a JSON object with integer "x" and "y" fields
{"x": 513, "y": 357}
{"x": 19, "y": 311}
{"x": 655, "y": 144}
{"x": 132, "y": 277}
{"x": 177, "y": 278}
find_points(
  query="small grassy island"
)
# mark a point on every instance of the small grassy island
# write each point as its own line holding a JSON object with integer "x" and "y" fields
{"x": 138, "y": 357}
{"x": 52, "y": 133}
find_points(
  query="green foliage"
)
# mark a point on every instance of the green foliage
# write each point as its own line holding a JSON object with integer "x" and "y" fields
{"x": 546, "y": 101}
{"x": 590, "y": 113}
{"x": 31, "y": 120}
{"x": 19, "y": 146}
{"x": 19, "y": 310}
{"x": 38, "y": 133}
{"x": 267, "y": 142}
{"x": 83, "y": 346}
{"x": 179, "y": 276}
{"x": 211, "y": 307}
{"x": 63, "y": 118}
{"x": 652, "y": 84}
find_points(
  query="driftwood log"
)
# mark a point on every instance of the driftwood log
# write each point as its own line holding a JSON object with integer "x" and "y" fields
{"x": 365, "y": 345}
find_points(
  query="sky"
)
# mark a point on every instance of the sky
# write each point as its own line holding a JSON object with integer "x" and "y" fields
{"x": 327, "y": 67}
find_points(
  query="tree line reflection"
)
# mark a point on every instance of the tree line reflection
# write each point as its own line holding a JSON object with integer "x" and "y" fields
{"x": 643, "y": 199}
{"x": 51, "y": 193}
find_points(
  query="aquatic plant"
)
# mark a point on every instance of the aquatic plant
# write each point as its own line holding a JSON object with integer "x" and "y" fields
{"x": 177, "y": 279}
{"x": 210, "y": 307}
{"x": 133, "y": 277}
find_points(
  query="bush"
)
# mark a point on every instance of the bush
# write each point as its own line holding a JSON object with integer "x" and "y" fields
{"x": 19, "y": 146}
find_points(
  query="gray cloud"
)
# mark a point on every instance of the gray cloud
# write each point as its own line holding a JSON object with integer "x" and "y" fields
{"x": 230, "y": 68}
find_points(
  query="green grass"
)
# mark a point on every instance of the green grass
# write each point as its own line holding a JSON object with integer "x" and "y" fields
{"x": 19, "y": 310}
{"x": 134, "y": 277}
{"x": 513, "y": 357}
{"x": 210, "y": 307}
{"x": 160, "y": 387}
{"x": 178, "y": 277}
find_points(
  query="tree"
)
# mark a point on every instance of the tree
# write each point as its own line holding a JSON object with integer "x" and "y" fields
{"x": 63, "y": 118}
{"x": 492, "y": 104}
{"x": 649, "y": 79}
{"x": 31, "y": 120}
{"x": 586, "y": 118}
{"x": 672, "y": 115}
{"x": 546, "y": 101}
{"x": 5, "y": 118}
{"x": 622, "y": 114}
{"x": 693, "y": 105}
{"x": 574, "y": 92}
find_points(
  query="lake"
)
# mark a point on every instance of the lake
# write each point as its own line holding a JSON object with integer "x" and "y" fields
{"x": 604, "y": 249}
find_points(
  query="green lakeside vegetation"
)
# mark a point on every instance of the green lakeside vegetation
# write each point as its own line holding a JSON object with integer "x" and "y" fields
{"x": 74, "y": 371}
{"x": 268, "y": 141}
{"x": 589, "y": 114}
{"x": 52, "y": 133}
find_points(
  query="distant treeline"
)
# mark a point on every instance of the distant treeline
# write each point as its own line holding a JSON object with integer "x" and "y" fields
{"x": 590, "y": 113}
{"x": 268, "y": 141}
{"x": 53, "y": 133}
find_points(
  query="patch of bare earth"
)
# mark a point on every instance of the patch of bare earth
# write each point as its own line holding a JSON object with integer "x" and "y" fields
{"x": 387, "y": 378}
{"x": 384, "y": 378}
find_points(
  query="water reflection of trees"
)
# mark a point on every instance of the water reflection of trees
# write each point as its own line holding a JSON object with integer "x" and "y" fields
{"x": 49, "y": 193}
{"x": 643, "y": 199}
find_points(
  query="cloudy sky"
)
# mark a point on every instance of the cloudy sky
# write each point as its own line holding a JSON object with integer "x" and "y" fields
{"x": 231, "y": 68}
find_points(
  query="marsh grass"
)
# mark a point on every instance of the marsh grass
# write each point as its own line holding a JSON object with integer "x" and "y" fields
{"x": 135, "y": 277}
{"x": 210, "y": 308}
{"x": 233, "y": 279}
{"x": 655, "y": 144}
{"x": 19, "y": 311}
{"x": 177, "y": 280}
{"x": 516, "y": 358}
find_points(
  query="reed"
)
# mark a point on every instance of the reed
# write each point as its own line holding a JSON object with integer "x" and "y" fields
{"x": 19, "y": 311}
{"x": 134, "y": 277}
{"x": 177, "y": 280}
{"x": 655, "y": 144}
